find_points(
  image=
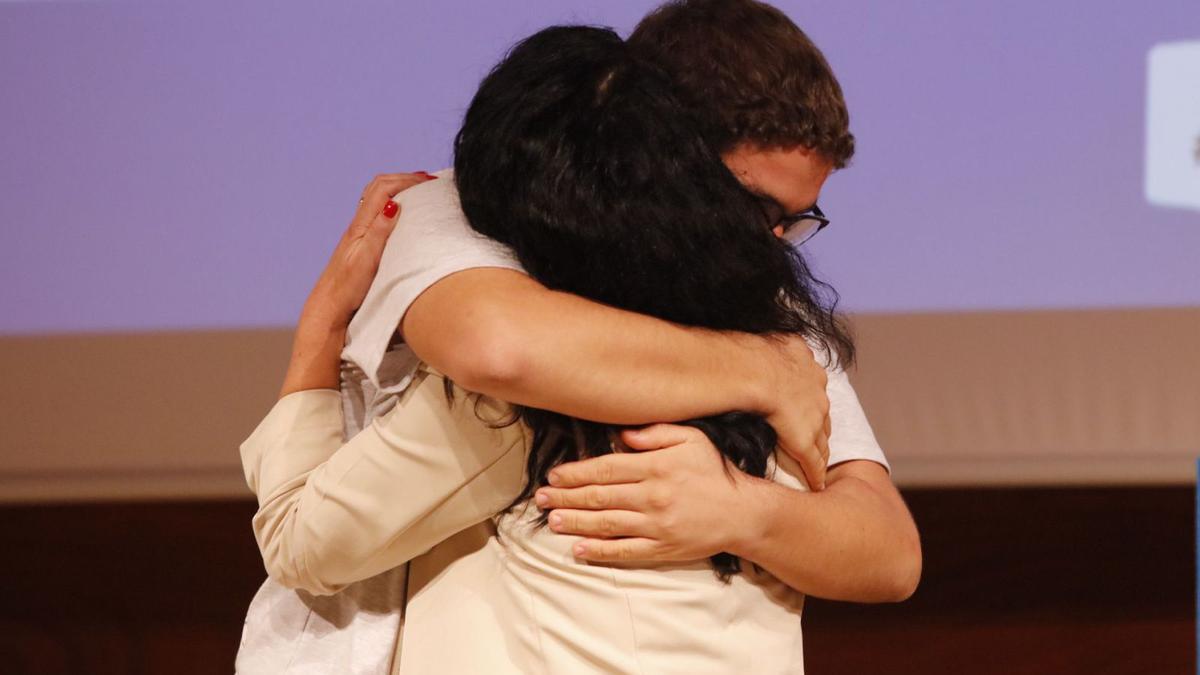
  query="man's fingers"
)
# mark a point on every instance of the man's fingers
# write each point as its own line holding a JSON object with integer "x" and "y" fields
{"x": 601, "y": 524}
{"x": 823, "y": 448}
{"x": 617, "y": 550}
{"x": 591, "y": 497}
{"x": 657, "y": 436}
{"x": 814, "y": 472}
{"x": 620, "y": 467}
{"x": 812, "y": 462}
{"x": 823, "y": 439}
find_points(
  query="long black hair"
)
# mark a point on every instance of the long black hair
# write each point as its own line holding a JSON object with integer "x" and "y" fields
{"x": 576, "y": 153}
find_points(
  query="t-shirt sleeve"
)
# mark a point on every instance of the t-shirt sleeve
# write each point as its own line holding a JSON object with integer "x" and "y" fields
{"x": 850, "y": 435}
{"x": 432, "y": 240}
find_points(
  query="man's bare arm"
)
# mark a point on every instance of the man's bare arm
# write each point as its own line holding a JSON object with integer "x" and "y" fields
{"x": 670, "y": 498}
{"x": 854, "y": 541}
{"x": 503, "y": 334}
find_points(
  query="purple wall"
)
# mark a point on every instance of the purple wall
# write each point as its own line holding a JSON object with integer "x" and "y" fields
{"x": 189, "y": 165}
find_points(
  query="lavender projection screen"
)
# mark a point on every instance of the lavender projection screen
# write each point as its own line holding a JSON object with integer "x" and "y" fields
{"x": 180, "y": 165}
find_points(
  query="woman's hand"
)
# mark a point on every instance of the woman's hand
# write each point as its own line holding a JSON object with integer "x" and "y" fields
{"x": 343, "y": 284}
{"x": 321, "y": 331}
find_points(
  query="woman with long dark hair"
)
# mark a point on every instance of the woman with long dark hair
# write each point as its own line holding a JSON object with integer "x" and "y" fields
{"x": 576, "y": 154}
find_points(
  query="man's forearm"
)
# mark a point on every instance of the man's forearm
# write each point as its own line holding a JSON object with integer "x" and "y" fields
{"x": 854, "y": 541}
{"x": 562, "y": 352}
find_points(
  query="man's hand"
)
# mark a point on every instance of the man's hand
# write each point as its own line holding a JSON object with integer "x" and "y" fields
{"x": 798, "y": 410}
{"x": 673, "y": 503}
{"x": 854, "y": 541}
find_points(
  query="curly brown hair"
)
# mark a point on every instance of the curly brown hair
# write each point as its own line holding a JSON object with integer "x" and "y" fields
{"x": 749, "y": 75}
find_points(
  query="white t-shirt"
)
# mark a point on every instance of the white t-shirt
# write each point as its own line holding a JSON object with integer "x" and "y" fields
{"x": 432, "y": 240}
{"x": 356, "y": 630}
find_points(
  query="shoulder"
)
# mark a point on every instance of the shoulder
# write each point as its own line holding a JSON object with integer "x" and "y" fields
{"x": 433, "y": 230}
{"x": 432, "y": 198}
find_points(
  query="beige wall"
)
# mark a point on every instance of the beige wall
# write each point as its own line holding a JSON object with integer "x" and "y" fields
{"x": 134, "y": 415}
{"x": 1035, "y": 397}
{"x": 956, "y": 399}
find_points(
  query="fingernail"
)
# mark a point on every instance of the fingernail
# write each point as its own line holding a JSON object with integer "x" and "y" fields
{"x": 580, "y": 548}
{"x": 427, "y": 175}
{"x": 552, "y": 478}
{"x": 555, "y": 520}
{"x": 390, "y": 209}
{"x": 541, "y": 499}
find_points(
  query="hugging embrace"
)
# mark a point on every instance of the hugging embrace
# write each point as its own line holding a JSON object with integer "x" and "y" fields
{"x": 579, "y": 405}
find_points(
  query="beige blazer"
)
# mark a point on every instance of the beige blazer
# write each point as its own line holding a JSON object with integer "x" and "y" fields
{"x": 486, "y": 593}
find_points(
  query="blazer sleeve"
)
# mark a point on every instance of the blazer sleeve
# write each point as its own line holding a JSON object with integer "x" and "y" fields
{"x": 332, "y": 513}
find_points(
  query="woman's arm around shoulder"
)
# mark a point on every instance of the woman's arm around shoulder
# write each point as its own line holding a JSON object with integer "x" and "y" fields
{"x": 333, "y": 513}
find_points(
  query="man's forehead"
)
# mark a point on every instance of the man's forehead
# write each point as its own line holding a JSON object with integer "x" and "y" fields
{"x": 790, "y": 177}
{"x": 785, "y": 204}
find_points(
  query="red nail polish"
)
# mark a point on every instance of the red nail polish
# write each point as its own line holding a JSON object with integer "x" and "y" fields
{"x": 390, "y": 209}
{"x": 427, "y": 175}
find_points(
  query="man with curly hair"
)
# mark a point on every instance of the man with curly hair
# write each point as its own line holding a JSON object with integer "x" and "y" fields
{"x": 769, "y": 103}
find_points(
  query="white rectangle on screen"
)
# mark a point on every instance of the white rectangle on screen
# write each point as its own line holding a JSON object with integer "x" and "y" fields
{"x": 1173, "y": 125}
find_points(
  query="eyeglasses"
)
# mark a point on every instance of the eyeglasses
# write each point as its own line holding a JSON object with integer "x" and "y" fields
{"x": 797, "y": 227}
